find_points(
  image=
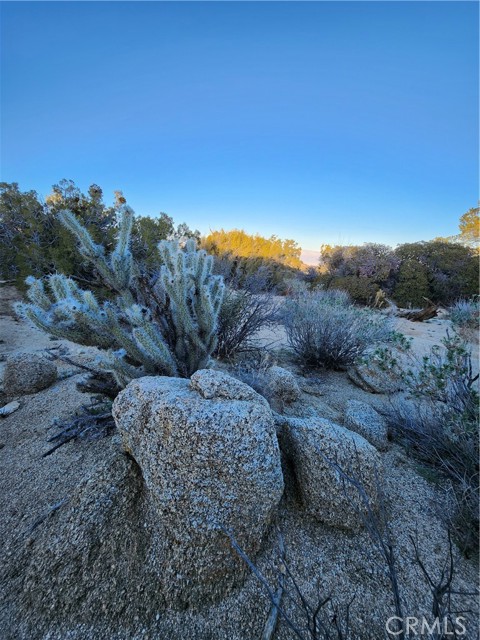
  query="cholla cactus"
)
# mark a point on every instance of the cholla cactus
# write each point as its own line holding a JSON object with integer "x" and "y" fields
{"x": 117, "y": 270}
{"x": 161, "y": 326}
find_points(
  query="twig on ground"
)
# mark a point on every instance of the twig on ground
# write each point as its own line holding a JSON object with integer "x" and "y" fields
{"x": 272, "y": 619}
{"x": 261, "y": 578}
{"x": 89, "y": 425}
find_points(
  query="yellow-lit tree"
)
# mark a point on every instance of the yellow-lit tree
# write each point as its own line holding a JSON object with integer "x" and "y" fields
{"x": 470, "y": 228}
{"x": 243, "y": 245}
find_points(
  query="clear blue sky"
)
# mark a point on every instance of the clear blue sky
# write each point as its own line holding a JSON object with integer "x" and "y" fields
{"x": 326, "y": 122}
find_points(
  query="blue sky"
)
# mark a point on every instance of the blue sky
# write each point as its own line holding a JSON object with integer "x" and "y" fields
{"x": 325, "y": 122}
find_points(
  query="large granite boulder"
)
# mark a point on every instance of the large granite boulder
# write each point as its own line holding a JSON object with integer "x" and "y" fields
{"x": 147, "y": 529}
{"x": 363, "y": 419}
{"x": 27, "y": 373}
{"x": 323, "y": 454}
{"x": 210, "y": 460}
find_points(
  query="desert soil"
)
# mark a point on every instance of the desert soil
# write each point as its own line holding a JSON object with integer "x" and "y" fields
{"x": 321, "y": 559}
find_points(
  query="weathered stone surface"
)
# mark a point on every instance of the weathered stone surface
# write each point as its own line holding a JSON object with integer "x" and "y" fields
{"x": 27, "y": 373}
{"x": 9, "y": 408}
{"x": 314, "y": 447}
{"x": 144, "y": 531}
{"x": 371, "y": 378}
{"x": 283, "y": 385}
{"x": 88, "y": 561}
{"x": 210, "y": 460}
{"x": 363, "y": 419}
{"x": 216, "y": 384}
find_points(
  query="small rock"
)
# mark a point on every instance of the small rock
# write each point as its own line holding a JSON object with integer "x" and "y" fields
{"x": 371, "y": 378}
{"x": 27, "y": 373}
{"x": 363, "y": 419}
{"x": 9, "y": 408}
{"x": 283, "y": 385}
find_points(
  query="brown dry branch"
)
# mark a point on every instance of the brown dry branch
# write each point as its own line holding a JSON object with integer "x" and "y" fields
{"x": 427, "y": 313}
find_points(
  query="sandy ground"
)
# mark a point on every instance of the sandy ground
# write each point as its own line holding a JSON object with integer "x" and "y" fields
{"x": 424, "y": 334}
{"x": 320, "y": 558}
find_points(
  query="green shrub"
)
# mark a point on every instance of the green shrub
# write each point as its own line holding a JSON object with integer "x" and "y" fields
{"x": 412, "y": 286}
{"x": 359, "y": 270}
{"x": 34, "y": 241}
{"x": 450, "y": 269}
{"x": 438, "y": 424}
{"x": 361, "y": 290}
{"x": 437, "y": 270}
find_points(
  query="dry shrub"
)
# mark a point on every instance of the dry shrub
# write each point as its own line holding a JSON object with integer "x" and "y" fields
{"x": 325, "y": 329}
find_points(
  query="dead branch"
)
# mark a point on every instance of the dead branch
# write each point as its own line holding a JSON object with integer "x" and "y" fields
{"x": 271, "y": 624}
{"x": 89, "y": 425}
{"x": 427, "y": 313}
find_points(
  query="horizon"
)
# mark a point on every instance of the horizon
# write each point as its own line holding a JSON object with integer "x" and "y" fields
{"x": 326, "y": 123}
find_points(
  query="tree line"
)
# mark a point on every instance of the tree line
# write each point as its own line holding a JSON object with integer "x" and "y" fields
{"x": 438, "y": 270}
{"x": 35, "y": 243}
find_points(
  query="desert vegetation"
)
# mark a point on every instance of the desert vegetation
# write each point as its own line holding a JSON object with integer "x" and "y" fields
{"x": 465, "y": 314}
{"x": 248, "y": 254}
{"x": 257, "y": 433}
{"x": 444, "y": 270}
{"x": 439, "y": 270}
{"x": 325, "y": 328}
{"x": 239, "y": 351}
{"x": 174, "y": 335}
{"x": 244, "y": 312}
{"x": 438, "y": 423}
{"x": 35, "y": 242}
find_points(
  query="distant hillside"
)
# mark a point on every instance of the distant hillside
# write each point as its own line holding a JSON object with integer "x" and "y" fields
{"x": 310, "y": 257}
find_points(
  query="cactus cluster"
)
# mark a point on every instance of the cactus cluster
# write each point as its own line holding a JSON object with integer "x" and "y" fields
{"x": 164, "y": 324}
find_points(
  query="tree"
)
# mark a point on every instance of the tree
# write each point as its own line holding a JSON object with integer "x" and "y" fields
{"x": 451, "y": 270}
{"x": 243, "y": 254}
{"x": 34, "y": 242}
{"x": 470, "y": 228}
{"x": 148, "y": 232}
{"x": 240, "y": 244}
{"x": 412, "y": 285}
{"x": 22, "y": 230}
{"x": 359, "y": 270}
{"x": 90, "y": 210}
